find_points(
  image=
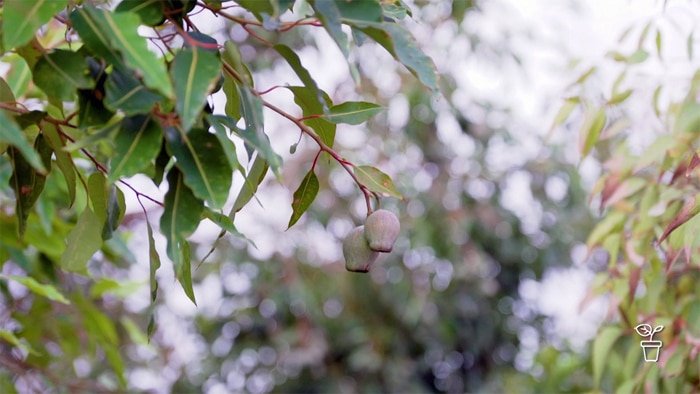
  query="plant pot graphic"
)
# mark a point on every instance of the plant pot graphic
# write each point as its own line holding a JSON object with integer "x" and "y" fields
{"x": 651, "y": 350}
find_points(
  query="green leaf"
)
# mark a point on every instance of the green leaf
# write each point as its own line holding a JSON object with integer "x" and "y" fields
{"x": 620, "y": 97}
{"x": 304, "y": 196}
{"x": 19, "y": 75}
{"x": 108, "y": 34}
{"x": 126, "y": 93}
{"x": 251, "y": 109}
{"x": 590, "y": 130}
{"x": 250, "y": 186}
{"x": 357, "y": 12}
{"x": 233, "y": 101}
{"x": 83, "y": 241}
{"x": 232, "y": 57}
{"x": 306, "y": 100}
{"x": 60, "y": 73}
{"x": 203, "y": 162}
{"x": 193, "y": 71}
{"x": 150, "y": 11}
{"x": 13, "y": 135}
{"x": 16, "y": 342}
{"x": 328, "y": 13}
{"x": 26, "y": 182}
{"x": 376, "y": 181}
{"x": 116, "y": 207}
{"x": 97, "y": 192}
{"x": 399, "y": 42}
{"x": 181, "y": 216}
{"x": 136, "y": 144}
{"x": 21, "y": 19}
{"x": 291, "y": 57}
{"x": 226, "y": 143}
{"x": 610, "y": 224}
{"x": 225, "y": 223}
{"x": 63, "y": 158}
{"x": 35, "y": 287}
{"x": 154, "y": 264}
{"x": 184, "y": 274}
{"x": 352, "y": 112}
{"x": 602, "y": 344}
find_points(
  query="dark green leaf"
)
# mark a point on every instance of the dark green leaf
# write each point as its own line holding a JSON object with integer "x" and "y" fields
{"x": 304, "y": 196}
{"x": 30, "y": 118}
{"x": 181, "y": 216}
{"x": 150, "y": 11}
{"x": 35, "y": 287}
{"x": 193, "y": 71}
{"x": 91, "y": 109}
{"x": 233, "y": 101}
{"x": 399, "y": 42}
{"x": 26, "y": 182}
{"x": 13, "y": 135}
{"x": 306, "y": 100}
{"x": 352, "y": 112}
{"x": 108, "y": 34}
{"x": 377, "y": 181}
{"x": 184, "y": 274}
{"x": 126, "y": 93}
{"x": 203, "y": 162}
{"x": 21, "y": 19}
{"x": 60, "y": 73}
{"x": 83, "y": 241}
{"x": 136, "y": 144}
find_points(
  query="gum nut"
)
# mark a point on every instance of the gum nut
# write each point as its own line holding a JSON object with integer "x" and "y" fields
{"x": 358, "y": 256}
{"x": 381, "y": 230}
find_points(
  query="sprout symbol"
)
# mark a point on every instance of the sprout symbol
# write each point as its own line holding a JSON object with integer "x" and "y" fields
{"x": 650, "y": 346}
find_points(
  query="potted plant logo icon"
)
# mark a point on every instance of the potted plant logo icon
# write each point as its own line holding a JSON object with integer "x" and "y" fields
{"x": 651, "y": 348}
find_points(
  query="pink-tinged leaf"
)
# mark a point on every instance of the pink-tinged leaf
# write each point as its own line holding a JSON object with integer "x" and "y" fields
{"x": 689, "y": 210}
{"x": 694, "y": 163}
{"x": 626, "y": 189}
{"x": 634, "y": 277}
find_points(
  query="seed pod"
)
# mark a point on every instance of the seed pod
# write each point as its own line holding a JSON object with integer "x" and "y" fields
{"x": 358, "y": 256}
{"x": 381, "y": 230}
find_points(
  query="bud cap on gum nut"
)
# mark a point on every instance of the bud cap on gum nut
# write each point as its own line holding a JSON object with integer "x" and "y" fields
{"x": 381, "y": 230}
{"x": 358, "y": 256}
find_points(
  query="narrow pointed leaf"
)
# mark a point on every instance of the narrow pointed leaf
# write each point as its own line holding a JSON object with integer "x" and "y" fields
{"x": 304, "y": 196}
{"x": 197, "y": 153}
{"x": 225, "y": 223}
{"x": 193, "y": 71}
{"x": 136, "y": 144}
{"x": 352, "y": 112}
{"x": 83, "y": 241}
{"x": 35, "y": 287}
{"x": 184, "y": 274}
{"x": 591, "y": 129}
{"x": 116, "y": 207}
{"x": 154, "y": 264}
{"x": 226, "y": 143}
{"x": 97, "y": 191}
{"x": 21, "y": 19}
{"x": 377, "y": 181}
{"x": 13, "y": 135}
{"x": 250, "y": 186}
{"x": 63, "y": 158}
{"x": 16, "y": 342}
{"x": 26, "y": 182}
{"x": 181, "y": 216}
{"x": 602, "y": 344}
{"x": 689, "y": 210}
